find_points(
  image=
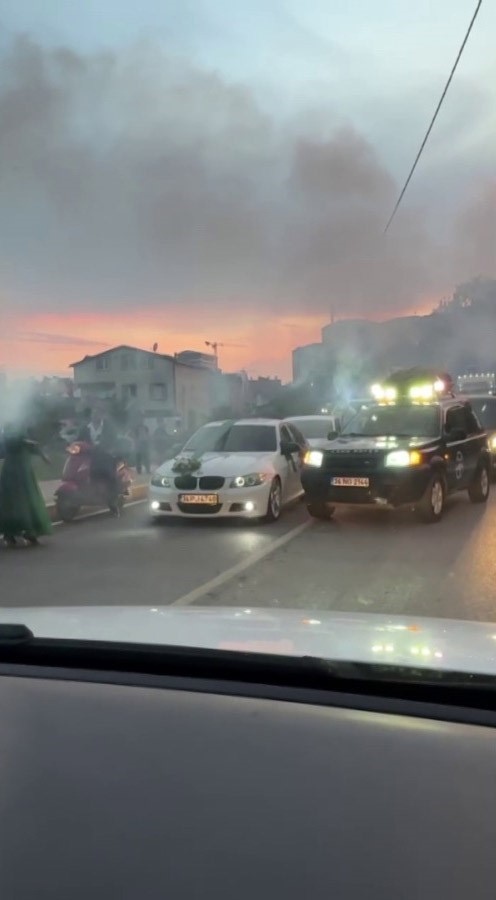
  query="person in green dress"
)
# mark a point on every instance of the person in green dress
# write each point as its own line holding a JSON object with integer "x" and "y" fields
{"x": 23, "y": 512}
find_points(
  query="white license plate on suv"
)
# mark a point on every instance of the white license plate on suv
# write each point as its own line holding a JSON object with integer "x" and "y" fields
{"x": 340, "y": 481}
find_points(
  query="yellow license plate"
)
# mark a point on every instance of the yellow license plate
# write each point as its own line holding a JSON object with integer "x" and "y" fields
{"x": 339, "y": 481}
{"x": 205, "y": 499}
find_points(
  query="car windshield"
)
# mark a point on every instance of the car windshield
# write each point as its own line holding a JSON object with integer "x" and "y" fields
{"x": 313, "y": 428}
{"x": 212, "y": 258}
{"x": 485, "y": 410}
{"x": 229, "y": 438}
{"x": 405, "y": 421}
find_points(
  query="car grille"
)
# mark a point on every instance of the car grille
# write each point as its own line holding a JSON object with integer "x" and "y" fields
{"x": 186, "y": 483}
{"x": 211, "y": 483}
{"x": 358, "y": 462}
{"x": 205, "y": 483}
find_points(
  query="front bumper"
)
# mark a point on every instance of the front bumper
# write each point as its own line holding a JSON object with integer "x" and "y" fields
{"x": 246, "y": 503}
{"x": 387, "y": 488}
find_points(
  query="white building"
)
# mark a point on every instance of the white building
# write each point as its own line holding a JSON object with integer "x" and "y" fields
{"x": 307, "y": 361}
{"x": 150, "y": 385}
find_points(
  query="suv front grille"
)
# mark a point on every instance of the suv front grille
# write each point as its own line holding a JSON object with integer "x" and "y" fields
{"x": 357, "y": 462}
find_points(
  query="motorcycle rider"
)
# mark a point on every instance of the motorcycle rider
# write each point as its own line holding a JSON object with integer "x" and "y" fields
{"x": 99, "y": 432}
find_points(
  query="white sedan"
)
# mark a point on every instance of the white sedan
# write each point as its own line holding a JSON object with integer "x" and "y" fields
{"x": 248, "y": 468}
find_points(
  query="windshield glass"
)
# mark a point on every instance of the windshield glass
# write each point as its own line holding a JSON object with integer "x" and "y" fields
{"x": 208, "y": 438}
{"x": 405, "y": 421}
{"x": 485, "y": 410}
{"x": 234, "y": 439}
{"x": 209, "y": 265}
{"x": 313, "y": 428}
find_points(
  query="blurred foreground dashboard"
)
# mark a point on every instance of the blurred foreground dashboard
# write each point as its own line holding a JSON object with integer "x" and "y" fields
{"x": 136, "y": 785}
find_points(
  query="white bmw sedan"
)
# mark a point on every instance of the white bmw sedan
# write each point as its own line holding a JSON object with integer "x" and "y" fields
{"x": 248, "y": 468}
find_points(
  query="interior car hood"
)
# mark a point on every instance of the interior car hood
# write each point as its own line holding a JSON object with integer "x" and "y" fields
{"x": 447, "y": 644}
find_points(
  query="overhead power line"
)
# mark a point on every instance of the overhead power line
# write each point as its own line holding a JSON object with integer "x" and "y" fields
{"x": 438, "y": 107}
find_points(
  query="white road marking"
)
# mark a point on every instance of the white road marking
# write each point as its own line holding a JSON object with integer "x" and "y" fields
{"x": 219, "y": 580}
{"x": 99, "y": 512}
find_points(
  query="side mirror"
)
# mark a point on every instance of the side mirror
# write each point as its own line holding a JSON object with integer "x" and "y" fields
{"x": 332, "y": 435}
{"x": 289, "y": 447}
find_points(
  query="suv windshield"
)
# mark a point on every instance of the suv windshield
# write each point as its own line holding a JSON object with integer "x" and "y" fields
{"x": 409, "y": 421}
{"x": 485, "y": 410}
{"x": 228, "y": 438}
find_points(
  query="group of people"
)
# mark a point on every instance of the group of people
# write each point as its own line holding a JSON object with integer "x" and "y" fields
{"x": 23, "y": 512}
{"x": 148, "y": 447}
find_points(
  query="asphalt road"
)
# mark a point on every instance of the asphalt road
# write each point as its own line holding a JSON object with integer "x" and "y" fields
{"x": 362, "y": 561}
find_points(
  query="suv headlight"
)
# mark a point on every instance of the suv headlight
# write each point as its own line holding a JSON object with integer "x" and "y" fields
{"x": 403, "y": 458}
{"x": 252, "y": 480}
{"x": 313, "y": 458}
{"x": 161, "y": 481}
{"x": 492, "y": 442}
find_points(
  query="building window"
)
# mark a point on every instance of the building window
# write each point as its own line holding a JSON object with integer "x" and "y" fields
{"x": 103, "y": 363}
{"x": 129, "y": 391}
{"x": 128, "y": 361}
{"x": 158, "y": 392}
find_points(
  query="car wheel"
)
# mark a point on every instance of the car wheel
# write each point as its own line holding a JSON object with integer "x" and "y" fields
{"x": 274, "y": 503}
{"x": 480, "y": 487}
{"x": 431, "y": 507}
{"x": 320, "y": 510}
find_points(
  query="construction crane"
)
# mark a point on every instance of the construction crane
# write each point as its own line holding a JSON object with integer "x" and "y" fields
{"x": 216, "y": 344}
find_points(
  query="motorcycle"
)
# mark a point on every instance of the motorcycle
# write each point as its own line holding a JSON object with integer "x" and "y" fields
{"x": 80, "y": 489}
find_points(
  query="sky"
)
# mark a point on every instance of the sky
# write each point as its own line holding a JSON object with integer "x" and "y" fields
{"x": 191, "y": 170}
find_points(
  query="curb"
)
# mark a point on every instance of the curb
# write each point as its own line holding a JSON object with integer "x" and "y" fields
{"x": 138, "y": 492}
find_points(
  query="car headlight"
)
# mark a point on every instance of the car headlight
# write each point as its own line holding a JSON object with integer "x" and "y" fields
{"x": 313, "y": 458}
{"x": 161, "y": 481}
{"x": 252, "y": 480}
{"x": 492, "y": 442}
{"x": 403, "y": 458}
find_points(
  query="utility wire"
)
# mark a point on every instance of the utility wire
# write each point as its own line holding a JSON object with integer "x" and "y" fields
{"x": 438, "y": 107}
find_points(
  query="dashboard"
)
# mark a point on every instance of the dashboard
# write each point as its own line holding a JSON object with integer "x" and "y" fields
{"x": 147, "y": 792}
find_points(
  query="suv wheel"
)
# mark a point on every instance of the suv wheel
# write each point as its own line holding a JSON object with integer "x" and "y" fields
{"x": 431, "y": 507}
{"x": 479, "y": 489}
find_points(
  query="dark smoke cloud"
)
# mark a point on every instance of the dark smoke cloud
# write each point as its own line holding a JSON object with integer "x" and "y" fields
{"x": 135, "y": 179}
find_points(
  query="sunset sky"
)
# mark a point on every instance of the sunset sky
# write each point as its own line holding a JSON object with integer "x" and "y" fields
{"x": 191, "y": 170}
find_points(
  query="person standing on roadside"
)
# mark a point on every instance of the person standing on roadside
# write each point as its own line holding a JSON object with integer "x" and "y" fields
{"x": 142, "y": 446}
{"x": 23, "y": 512}
{"x": 161, "y": 442}
{"x": 100, "y": 434}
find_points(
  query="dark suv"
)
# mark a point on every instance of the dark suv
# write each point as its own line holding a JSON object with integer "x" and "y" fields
{"x": 401, "y": 454}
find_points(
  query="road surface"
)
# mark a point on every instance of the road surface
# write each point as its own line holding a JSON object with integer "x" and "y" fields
{"x": 362, "y": 561}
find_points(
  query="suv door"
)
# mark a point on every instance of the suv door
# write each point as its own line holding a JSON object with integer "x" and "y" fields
{"x": 463, "y": 438}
